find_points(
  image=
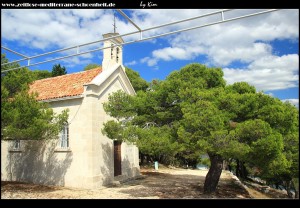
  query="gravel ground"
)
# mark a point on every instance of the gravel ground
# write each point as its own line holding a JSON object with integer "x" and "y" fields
{"x": 162, "y": 184}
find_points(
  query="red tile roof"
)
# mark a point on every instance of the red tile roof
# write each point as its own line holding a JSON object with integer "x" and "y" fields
{"x": 63, "y": 86}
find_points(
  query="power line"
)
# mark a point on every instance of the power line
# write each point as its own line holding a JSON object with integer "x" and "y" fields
{"x": 223, "y": 20}
{"x": 14, "y": 52}
{"x": 113, "y": 37}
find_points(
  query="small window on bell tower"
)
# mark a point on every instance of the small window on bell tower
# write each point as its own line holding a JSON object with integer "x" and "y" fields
{"x": 111, "y": 51}
{"x": 117, "y": 57}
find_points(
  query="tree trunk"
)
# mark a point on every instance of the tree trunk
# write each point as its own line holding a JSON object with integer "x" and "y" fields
{"x": 229, "y": 165}
{"x": 225, "y": 165}
{"x": 241, "y": 169}
{"x": 237, "y": 171}
{"x": 151, "y": 159}
{"x": 295, "y": 184}
{"x": 214, "y": 173}
{"x": 142, "y": 156}
{"x": 229, "y": 168}
{"x": 244, "y": 172}
{"x": 296, "y": 194}
{"x": 288, "y": 189}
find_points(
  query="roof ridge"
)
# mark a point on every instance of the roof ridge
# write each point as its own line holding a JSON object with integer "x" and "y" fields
{"x": 99, "y": 67}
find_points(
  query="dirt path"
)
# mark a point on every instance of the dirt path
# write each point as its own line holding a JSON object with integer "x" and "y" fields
{"x": 163, "y": 184}
{"x": 258, "y": 191}
{"x": 256, "y": 194}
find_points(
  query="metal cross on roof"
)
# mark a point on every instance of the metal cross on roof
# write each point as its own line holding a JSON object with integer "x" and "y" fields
{"x": 115, "y": 26}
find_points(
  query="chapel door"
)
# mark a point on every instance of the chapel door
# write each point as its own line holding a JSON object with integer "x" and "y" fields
{"x": 117, "y": 158}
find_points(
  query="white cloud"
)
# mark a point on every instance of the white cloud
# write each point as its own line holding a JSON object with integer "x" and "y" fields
{"x": 286, "y": 62}
{"x": 268, "y": 73}
{"x": 88, "y": 13}
{"x": 152, "y": 62}
{"x": 75, "y": 61}
{"x": 237, "y": 40}
{"x": 144, "y": 60}
{"x": 49, "y": 28}
{"x": 246, "y": 41}
{"x": 224, "y": 57}
{"x": 171, "y": 53}
{"x": 149, "y": 61}
{"x": 131, "y": 63}
{"x": 295, "y": 102}
{"x": 52, "y": 29}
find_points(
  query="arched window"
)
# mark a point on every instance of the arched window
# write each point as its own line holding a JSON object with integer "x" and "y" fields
{"x": 64, "y": 137}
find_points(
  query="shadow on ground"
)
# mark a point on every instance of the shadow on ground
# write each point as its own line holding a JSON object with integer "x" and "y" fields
{"x": 11, "y": 186}
{"x": 164, "y": 184}
{"x": 169, "y": 186}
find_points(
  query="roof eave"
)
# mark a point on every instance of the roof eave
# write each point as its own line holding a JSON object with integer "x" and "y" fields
{"x": 62, "y": 98}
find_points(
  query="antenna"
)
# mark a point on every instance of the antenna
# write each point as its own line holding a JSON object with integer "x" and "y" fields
{"x": 115, "y": 26}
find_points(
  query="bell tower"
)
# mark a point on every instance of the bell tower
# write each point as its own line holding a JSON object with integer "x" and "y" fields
{"x": 112, "y": 54}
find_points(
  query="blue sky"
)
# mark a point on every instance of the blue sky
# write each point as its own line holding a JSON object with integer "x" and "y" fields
{"x": 262, "y": 50}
